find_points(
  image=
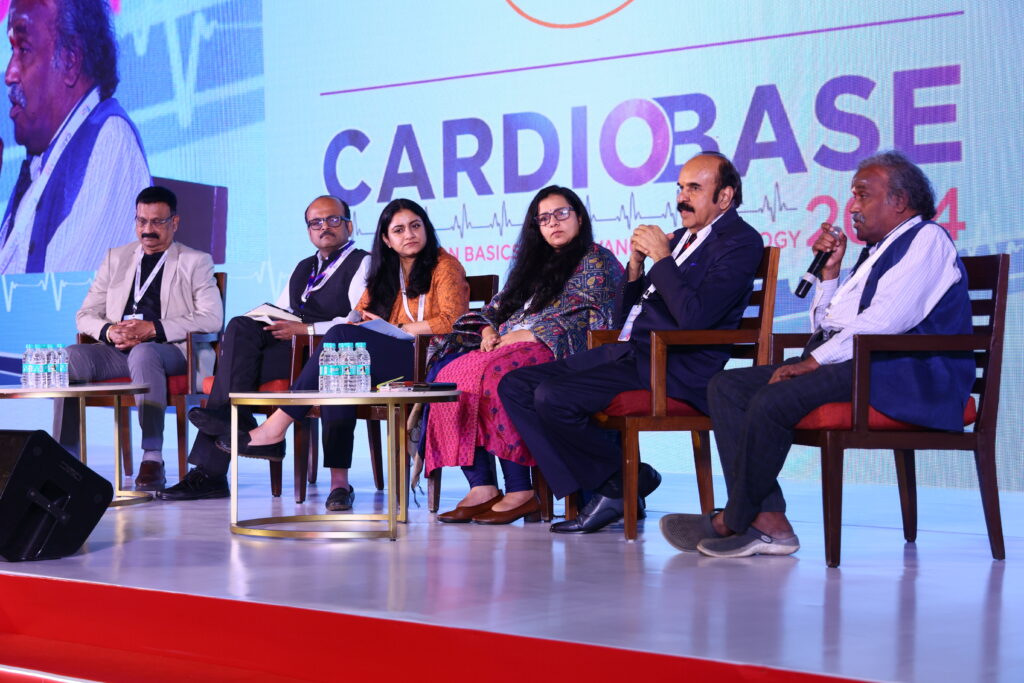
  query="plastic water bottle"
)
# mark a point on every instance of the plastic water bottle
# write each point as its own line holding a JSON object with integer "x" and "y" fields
{"x": 50, "y": 369}
{"x": 38, "y": 380}
{"x": 346, "y": 362}
{"x": 26, "y": 366}
{"x": 362, "y": 368}
{"x": 328, "y": 359}
{"x": 61, "y": 359}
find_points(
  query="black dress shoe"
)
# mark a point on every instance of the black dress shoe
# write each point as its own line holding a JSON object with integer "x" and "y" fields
{"x": 649, "y": 480}
{"x": 598, "y": 513}
{"x": 271, "y": 451}
{"x": 151, "y": 476}
{"x": 197, "y": 485}
{"x": 341, "y": 499}
{"x": 209, "y": 421}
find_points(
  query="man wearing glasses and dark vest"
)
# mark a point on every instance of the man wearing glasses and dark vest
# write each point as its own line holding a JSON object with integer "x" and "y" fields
{"x": 323, "y": 291}
{"x": 145, "y": 299}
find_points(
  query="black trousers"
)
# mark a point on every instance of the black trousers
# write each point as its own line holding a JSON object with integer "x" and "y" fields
{"x": 753, "y": 423}
{"x": 249, "y": 357}
{"x": 389, "y": 358}
{"x": 551, "y": 405}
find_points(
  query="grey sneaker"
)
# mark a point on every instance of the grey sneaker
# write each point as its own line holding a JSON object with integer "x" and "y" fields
{"x": 753, "y": 541}
{"x": 684, "y": 531}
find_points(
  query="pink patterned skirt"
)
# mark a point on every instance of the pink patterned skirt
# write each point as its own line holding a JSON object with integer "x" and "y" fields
{"x": 454, "y": 430}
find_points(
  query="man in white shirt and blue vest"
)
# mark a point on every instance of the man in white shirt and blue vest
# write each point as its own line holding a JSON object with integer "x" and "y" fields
{"x": 908, "y": 279}
{"x": 73, "y": 199}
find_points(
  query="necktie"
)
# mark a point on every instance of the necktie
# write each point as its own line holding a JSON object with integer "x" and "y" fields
{"x": 689, "y": 241}
{"x": 24, "y": 180}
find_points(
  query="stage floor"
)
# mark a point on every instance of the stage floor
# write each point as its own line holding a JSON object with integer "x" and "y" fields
{"x": 940, "y": 609}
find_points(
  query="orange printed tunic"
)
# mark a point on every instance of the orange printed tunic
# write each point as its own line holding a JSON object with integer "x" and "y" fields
{"x": 447, "y": 299}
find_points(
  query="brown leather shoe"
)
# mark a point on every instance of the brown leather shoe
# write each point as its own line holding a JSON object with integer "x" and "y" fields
{"x": 530, "y": 510}
{"x": 464, "y": 515}
{"x": 151, "y": 476}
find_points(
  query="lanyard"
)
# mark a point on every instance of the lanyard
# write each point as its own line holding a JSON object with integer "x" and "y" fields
{"x": 140, "y": 292}
{"x": 405, "y": 299}
{"x": 316, "y": 281}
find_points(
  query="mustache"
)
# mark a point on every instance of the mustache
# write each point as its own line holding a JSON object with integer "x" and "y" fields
{"x": 153, "y": 235}
{"x": 858, "y": 217}
{"x": 684, "y": 206}
{"x": 17, "y": 95}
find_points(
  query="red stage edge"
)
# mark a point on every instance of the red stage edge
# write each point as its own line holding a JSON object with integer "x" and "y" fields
{"x": 111, "y": 633}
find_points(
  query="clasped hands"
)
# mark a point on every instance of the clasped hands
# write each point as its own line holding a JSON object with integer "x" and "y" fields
{"x": 491, "y": 340}
{"x": 127, "y": 333}
{"x": 647, "y": 241}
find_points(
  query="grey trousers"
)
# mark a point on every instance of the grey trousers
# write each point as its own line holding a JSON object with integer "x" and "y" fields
{"x": 148, "y": 363}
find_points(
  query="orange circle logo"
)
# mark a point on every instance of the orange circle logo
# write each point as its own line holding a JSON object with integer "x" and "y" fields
{"x": 578, "y": 24}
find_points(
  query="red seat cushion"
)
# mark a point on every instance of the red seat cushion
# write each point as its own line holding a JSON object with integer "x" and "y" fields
{"x": 177, "y": 385}
{"x": 638, "y": 402}
{"x": 273, "y": 386}
{"x": 839, "y": 416}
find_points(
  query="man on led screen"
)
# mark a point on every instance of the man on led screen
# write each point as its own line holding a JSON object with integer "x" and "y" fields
{"x": 323, "y": 291}
{"x": 73, "y": 198}
{"x": 908, "y": 278}
{"x": 147, "y": 296}
{"x": 701, "y": 277}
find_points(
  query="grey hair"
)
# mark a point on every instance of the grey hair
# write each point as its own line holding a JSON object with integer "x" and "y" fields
{"x": 906, "y": 180}
{"x": 84, "y": 27}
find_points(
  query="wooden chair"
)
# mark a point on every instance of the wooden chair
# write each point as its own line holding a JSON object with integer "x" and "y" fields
{"x": 482, "y": 289}
{"x": 182, "y": 395}
{"x": 632, "y": 412}
{"x": 836, "y": 427}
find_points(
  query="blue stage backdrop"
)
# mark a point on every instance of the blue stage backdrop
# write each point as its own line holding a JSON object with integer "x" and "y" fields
{"x": 470, "y": 106}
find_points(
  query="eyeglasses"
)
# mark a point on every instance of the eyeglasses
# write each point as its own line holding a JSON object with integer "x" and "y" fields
{"x": 318, "y": 223}
{"x": 558, "y": 214}
{"x": 155, "y": 222}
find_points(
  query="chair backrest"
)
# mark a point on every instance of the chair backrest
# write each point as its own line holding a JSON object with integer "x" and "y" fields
{"x": 204, "y": 215}
{"x": 760, "y": 311}
{"x": 482, "y": 289}
{"x": 987, "y": 281}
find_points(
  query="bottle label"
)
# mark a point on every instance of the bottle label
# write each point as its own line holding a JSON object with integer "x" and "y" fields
{"x": 62, "y": 367}
{"x": 362, "y": 369}
{"x": 346, "y": 370}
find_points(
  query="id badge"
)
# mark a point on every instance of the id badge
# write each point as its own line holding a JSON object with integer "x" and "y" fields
{"x": 627, "y": 329}
{"x": 132, "y": 316}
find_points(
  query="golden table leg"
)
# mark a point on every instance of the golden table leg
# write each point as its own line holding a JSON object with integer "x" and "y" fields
{"x": 122, "y": 497}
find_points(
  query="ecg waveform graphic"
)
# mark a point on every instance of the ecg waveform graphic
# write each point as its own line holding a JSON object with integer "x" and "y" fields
{"x": 772, "y": 206}
{"x": 184, "y": 59}
{"x": 626, "y": 216}
{"x": 47, "y": 282}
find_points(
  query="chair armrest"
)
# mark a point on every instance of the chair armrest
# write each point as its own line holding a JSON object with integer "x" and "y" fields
{"x": 661, "y": 340}
{"x": 83, "y": 338}
{"x": 300, "y": 351}
{"x": 597, "y": 338}
{"x": 866, "y": 344}
{"x": 191, "y": 339}
{"x": 787, "y": 340}
{"x": 419, "y": 359}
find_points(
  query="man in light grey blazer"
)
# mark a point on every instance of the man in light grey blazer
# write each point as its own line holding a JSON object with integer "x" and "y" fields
{"x": 146, "y": 297}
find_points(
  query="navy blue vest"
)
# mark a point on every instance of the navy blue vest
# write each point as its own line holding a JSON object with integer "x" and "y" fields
{"x": 926, "y": 389}
{"x": 331, "y": 300}
{"x": 66, "y": 181}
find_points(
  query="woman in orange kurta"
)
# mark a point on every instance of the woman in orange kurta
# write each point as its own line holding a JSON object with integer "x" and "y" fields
{"x": 413, "y": 284}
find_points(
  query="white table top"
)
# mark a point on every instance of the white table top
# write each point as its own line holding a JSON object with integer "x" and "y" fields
{"x": 97, "y": 389}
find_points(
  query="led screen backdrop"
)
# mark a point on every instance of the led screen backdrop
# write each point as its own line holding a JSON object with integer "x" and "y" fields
{"x": 469, "y": 107}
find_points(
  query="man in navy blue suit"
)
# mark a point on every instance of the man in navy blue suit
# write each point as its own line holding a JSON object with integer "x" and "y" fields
{"x": 700, "y": 278}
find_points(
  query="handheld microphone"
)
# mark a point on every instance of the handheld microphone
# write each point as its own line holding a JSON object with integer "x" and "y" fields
{"x": 814, "y": 270}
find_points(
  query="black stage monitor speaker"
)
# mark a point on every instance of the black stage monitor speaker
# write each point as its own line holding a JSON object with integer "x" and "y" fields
{"x": 49, "y": 501}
